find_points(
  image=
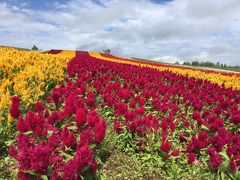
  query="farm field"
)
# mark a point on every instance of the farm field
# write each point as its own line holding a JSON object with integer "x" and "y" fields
{"x": 87, "y": 115}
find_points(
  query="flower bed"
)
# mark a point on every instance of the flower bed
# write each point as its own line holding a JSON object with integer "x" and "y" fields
{"x": 155, "y": 114}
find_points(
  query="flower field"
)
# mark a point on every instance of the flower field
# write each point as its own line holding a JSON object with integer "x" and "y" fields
{"x": 77, "y": 115}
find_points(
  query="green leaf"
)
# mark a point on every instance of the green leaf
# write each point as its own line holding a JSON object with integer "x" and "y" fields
{"x": 49, "y": 132}
{"x": 65, "y": 155}
{"x": 30, "y": 172}
{"x": 92, "y": 146}
{"x": 85, "y": 168}
{"x": 28, "y": 132}
{"x": 72, "y": 127}
{"x": 204, "y": 127}
{"x": 224, "y": 154}
{"x": 222, "y": 175}
{"x": 9, "y": 142}
{"x": 44, "y": 177}
{"x": 107, "y": 114}
{"x": 156, "y": 145}
{"x": 50, "y": 169}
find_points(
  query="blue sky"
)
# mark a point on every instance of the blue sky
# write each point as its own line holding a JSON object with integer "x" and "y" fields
{"x": 166, "y": 30}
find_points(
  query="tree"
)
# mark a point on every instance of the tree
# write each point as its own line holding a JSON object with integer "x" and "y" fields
{"x": 107, "y": 51}
{"x": 218, "y": 64}
{"x": 34, "y": 48}
{"x": 186, "y": 63}
{"x": 177, "y": 63}
{"x": 195, "y": 63}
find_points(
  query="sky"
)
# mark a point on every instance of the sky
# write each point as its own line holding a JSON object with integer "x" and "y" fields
{"x": 162, "y": 30}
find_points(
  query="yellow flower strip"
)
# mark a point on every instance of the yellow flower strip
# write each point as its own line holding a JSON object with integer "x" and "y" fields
{"x": 28, "y": 74}
{"x": 229, "y": 80}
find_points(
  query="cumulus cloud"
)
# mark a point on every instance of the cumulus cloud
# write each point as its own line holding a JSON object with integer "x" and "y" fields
{"x": 173, "y": 31}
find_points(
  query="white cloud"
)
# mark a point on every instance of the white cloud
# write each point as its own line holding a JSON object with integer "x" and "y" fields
{"x": 178, "y": 30}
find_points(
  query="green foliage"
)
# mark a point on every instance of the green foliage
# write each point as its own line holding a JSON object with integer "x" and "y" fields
{"x": 7, "y": 135}
{"x": 8, "y": 168}
{"x": 35, "y": 48}
{"x": 107, "y": 51}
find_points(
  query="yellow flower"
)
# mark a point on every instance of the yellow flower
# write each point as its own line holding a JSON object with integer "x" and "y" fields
{"x": 28, "y": 73}
{"x": 10, "y": 119}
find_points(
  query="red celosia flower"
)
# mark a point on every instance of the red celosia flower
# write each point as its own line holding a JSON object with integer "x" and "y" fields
{"x": 14, "y": 109}
{"x": 235, "y": 119}
{"x": 120, "y": 108}
{"x": 164, "y": 125}
{"x": 117, "y": 126}
{"x": 93, "y": 167}
{"x": 90, "y": 101}
{"x": 54, "y": 175}
{"x": 215, "y": 160}
{"x": 21, "y": 126}
{"x": 132, "y": 103}
{"x": 54, "y": 139}
{"x": 129, "y": 115}
{"x": 39, "y": 107}
{"x": 13, "y": 152}
{"x": 182, "y": 137}
{"x": 53, "y": 117}
{"x": 186, "y": 124}
{"x": 218, "y": 123}
{"x": 70, "y": 170}
{"x": 232, "y": 165}
{"x": 133, "y": 126}
{"x": 24, "y": 141}
{"x": 175, "y": 153}
{"x": 70, "y": 140}
{"x": 92, "y": 118}
{"x": 24, "y": 176}
{"x": 86, "y": 137}
{"x": 196, "y": 115}
{"x": 81, "y": 117}
{"x": 211, "y": 151}
{"x": 100, "y": 131}
{"x": 172, "y": 126}
{"x": 191, "y": 158}
{"x": 165, "y": 146}
{"x": 40, "y": 158}
{"x": 190, "y": 147}
{"x": 15, "y": 100}
{"x": 69, "y": 106}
